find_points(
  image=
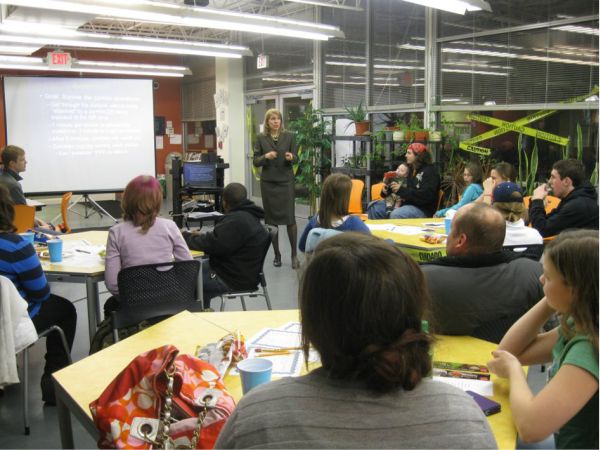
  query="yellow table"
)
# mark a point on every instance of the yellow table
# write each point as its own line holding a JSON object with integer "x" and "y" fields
{"x": 412, "y": 244}
{"x": 81, "y": 383}
{"x": 90, "y": 275}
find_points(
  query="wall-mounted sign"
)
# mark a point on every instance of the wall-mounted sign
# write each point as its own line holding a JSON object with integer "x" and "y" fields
{"x": 262, "y": 61}
{"x": 58, "y": 60}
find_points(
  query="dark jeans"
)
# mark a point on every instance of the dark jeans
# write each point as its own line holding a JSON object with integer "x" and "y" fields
{"x": 56, "y": 311}
{"x": 212, "y": 284}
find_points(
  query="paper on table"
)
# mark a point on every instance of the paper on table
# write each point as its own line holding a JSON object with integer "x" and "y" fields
{"x": 274, "y": 338}
{"x": 285, "y": 365}
{"x": 292, "y": 326}
{"x": 485, "y": 388}
{"x": 202, "y": 215}
{"x": 434, "y": 224}
{"x": 407, "y": 230}
{"x": 381, "y": 226}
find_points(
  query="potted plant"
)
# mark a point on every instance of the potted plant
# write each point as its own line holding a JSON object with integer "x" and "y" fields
{"x": 399, "y": 133}
{"x": 418, "y": 133}
{"x": 358, "y": 116}
{"x": 313, "y": 141}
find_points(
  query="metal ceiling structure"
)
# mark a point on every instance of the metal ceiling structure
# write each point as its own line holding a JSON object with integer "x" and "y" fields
{"x": 303, "y": 10}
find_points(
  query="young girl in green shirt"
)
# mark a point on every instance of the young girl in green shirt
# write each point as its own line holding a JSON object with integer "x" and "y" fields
{"x": 568, "y": 405}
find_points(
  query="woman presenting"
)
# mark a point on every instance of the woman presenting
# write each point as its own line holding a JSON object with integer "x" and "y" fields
{"x": 275, "y": 151}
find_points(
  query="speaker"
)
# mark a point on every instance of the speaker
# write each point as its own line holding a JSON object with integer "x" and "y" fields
{"x": 159, "y": 125}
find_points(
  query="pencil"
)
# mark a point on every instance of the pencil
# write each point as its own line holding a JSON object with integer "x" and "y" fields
{"x": 277, "y": 350}
{"x": 264, "y": 355}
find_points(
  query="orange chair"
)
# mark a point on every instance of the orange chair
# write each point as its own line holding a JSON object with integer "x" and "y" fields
{"x": 24, "y": 218}
{"x": 376, "y": 191}
{"x": 355, "y": 205}
{"x": 64, "y": 209}
{"x": 551, "y": 202}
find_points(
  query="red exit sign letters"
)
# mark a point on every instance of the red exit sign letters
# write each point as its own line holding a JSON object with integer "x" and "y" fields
{"x": 58, "y": 59}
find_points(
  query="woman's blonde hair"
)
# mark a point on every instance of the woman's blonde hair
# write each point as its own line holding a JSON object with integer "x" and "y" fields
{"x": 335, "y": 198}
{"x": 512, "y": 211}
{"x": 141, "y": 201}
{"x": 268, "y": 114}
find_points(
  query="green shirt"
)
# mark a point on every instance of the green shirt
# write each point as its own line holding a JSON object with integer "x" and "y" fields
{"x": 582, "y": 430}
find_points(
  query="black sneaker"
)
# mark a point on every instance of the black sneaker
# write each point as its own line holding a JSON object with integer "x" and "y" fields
{"x": 47, "y": 385}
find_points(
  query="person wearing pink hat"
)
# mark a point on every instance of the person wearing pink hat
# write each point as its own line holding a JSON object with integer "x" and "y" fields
{"x": 419, "y": 196}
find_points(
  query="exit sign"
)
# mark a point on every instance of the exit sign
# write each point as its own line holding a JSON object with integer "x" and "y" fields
{"x": 59, "y": 60}
{"x": 262, "y": 61}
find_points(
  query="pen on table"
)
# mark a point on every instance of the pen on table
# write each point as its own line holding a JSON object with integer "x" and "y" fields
{"x": 281, "y": 353}
{"x": 82, "y": 251}
{"x": 276, "y": 350}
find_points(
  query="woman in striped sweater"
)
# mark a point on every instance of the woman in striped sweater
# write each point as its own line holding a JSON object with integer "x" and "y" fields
{"x": 20, "y": 263}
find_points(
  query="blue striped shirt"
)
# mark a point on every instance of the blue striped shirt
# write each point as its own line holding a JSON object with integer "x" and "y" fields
{"x": 20, "y": 264}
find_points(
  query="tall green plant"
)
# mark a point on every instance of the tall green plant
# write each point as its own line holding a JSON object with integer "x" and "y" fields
{"x": 579, "y": 143}
{"x": 528, "y": 171}
{"x": 312, "y": 140}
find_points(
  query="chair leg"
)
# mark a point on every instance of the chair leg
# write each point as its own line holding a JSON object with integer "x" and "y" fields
{"x": 63, "y": 339}
{"x": 222, "y": 308}
{"x": 25, "y": 390}
{"x": 243, "y": 302}
{"x": 268, "y": 300}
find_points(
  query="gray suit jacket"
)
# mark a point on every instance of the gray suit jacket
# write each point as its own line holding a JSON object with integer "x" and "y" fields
{"x": 278, "y": 169}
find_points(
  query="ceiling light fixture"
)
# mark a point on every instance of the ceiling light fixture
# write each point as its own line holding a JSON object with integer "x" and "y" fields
{"x": 117, "y": 43}
{"x": 193, "y": 17}
{"x": 105, "y": 67}
{"x": 454, "y": 6}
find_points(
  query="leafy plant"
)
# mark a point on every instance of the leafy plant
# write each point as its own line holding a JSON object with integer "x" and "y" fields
{"x": 312, "y": 141}
{"x": 414, "y": 123}
{"x": 356, "y": 113}
{"x": 528, "y": 171}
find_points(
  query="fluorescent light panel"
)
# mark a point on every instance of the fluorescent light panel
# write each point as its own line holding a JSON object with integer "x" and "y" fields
{"x": 454, "y": 6}
{"x": 45, "y": 34}
{"x": 190, "y": 17}
{"x": 38, "y": 64}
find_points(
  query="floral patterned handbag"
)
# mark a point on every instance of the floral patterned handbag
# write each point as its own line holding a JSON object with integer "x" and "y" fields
{"x": 161, "y": 400}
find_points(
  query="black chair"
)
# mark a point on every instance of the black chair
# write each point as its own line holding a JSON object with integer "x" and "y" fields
{"x": 261, "y": 284}
{"x": 25, "y": 369}
{"x": 154, "y": 291}
{"x": 533, "y": 251}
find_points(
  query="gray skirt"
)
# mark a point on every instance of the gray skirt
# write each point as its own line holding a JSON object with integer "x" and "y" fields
{"x": 278, "y": 202}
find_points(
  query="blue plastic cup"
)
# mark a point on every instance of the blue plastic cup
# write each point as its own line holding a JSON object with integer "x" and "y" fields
{"x": 448, "y": 225}
{"x": 254, "y": 372}
{"x": 55, "y": 250}
{"x": 28, "y": 236}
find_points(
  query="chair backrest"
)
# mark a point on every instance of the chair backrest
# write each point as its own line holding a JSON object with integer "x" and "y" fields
{"x": 64, "y": 209}
{"x": 355, "y": 205}
{"x": 551, "y": 202}
{"x": 533, "y": 251}
{"x": 24, "y": 218}
{"x": 155, "y": 290}
{"x": 376, "y": 191}
{"x": 316, "y": 235}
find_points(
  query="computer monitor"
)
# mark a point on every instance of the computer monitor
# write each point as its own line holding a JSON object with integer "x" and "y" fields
{"x": 197, "y": 174}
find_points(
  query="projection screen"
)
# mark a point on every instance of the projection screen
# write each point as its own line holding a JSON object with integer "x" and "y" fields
{"x": 84, "y": 135}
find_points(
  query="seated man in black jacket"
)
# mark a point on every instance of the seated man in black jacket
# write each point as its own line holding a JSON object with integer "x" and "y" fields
{"x": 578, "y": 206}
{"x": 479, "y": 290}
{"x": 235, "y": 247}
